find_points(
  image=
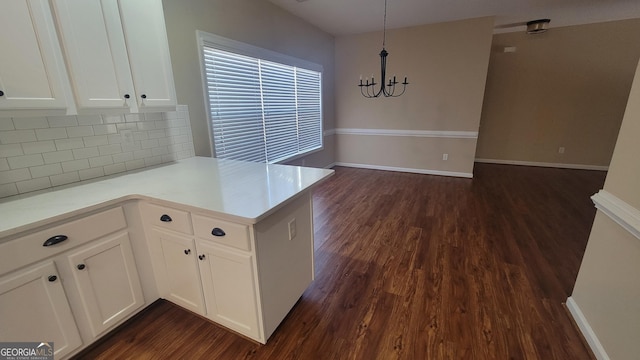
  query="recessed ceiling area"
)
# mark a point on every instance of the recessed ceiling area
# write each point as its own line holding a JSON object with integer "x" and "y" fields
{"x": 342, "y": 17}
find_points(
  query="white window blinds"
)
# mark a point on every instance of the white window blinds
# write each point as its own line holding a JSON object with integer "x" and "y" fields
{"x": 261, "y": 110}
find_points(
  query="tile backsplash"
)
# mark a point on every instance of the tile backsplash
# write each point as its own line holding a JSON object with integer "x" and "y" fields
{"x": 42, "y": 152}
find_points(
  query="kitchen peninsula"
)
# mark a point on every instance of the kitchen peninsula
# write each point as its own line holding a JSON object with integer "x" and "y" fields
{"x": 231, "y": 241}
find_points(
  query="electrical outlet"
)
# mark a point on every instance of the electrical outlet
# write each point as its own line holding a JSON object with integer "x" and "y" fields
{"x": 445, "y": 156}
{"x": 561, "y": 150}
{"x": 292, "y": 229}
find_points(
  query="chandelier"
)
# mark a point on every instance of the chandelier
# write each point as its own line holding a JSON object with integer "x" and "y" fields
{"x": 368, "y": 89}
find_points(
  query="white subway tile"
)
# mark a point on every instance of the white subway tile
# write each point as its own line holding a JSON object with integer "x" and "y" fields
{"x": 96, "y": 140}
{"x": 100, "y": 161}
{"x": 132, "y": 118}
{"x": 152, "y": 116}
{"x": 156, "y": 134}
{"x": 33, "y": 184}
{"x": 114, "y": 139}
{"x": 89, "y": 119}
{"x": 184, "y": 154}
{"x": 57, "y": 156}
{"x": 112, "y": 119}
{"x": 131, "y": 146}
{"x": 114, "y": 169}
{"x": 110, "y": 149}
{"x": 146, "y": 125}
{"x": 4, "y": 164}
{"x": 170, "y": 115}
{"x": 134, "y": 164}
{"x": 140, "y": 135}
{"x": 161, "y": 150}
{"x": 127, "y": 126}
{"x": 11, "y": 150}
{"x": 80, "y": 131}
{"x": 45, "y": 170}
{"x": 148, "y": 144}
{"x": 164, "y": 141}
{"x": 104, "y": 129}
{"x": 62, "y": 121}
{"x": 12, "y": 176}
{"x": 75, "y": 165}
{"x": 91, "y": 173}
{"x": 161, "y": 124}
{"x": 154, "y": 160}
{"x": 51, "y": 134}
{"x": 17, "y": 136}
{"x": 122, "y": 157}
{"x": 68, "y": 144}
{"x": 85, "y": 153}
{"x": 182, "y": 108}
{"x": 172, "y": 131}
{"x": 6, "y": 124}
{"x": 177, "y": 122}
{"x": 38, "y": 147}
{"x": 171, "y": 157}
{"x": 8, "y": 190}
{"x": 30, "y": 123}
{"x": 141, "y": 154}
{"x": 66, "y": 178}
{"x": 24, "y": 161}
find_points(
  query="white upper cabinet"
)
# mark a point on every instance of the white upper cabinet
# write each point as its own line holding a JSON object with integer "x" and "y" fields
{"x": 31, "y": 65}
{"x": 117, "y": 53}
{"x": 148, "y": 49}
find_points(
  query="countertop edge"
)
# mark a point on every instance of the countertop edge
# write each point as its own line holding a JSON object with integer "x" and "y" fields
{"x": 12, "y": 233}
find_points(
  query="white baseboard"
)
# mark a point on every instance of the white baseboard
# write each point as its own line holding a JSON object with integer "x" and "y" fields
{"x": 544, "y": 164}
{"x": 587, "y": 331}
{"x": 409, "y": 170}
{"x": 330, "y": 165}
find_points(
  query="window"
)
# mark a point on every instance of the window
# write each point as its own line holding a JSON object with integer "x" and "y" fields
{"x": 260, "y": 109}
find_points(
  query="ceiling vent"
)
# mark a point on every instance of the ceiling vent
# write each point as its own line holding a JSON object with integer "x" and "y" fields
{"x": 537, "y": 26}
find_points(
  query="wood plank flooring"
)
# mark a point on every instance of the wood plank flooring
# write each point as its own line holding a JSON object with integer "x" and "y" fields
{"x": 415, "y": 267}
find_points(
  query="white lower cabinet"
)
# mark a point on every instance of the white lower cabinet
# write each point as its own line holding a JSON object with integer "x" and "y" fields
{"x": 176, "y": 268}
{"x": 34, "y": 307}
{"x": 245, "y": 277}
{"x": 69, "y": 283}
{"x": 229, "y": 287}
{"x": 106, "y": 276}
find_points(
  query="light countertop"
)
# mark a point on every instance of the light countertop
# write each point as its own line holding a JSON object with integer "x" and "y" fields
{"x": 236, "y": 190}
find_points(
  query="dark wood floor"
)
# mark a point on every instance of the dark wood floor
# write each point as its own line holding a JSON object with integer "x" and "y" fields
{"x": 416, "y": 267}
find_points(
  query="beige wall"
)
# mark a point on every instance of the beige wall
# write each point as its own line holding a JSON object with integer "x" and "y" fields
{"x": 607, "y": 289}
{"x": 258, "y": 23}
{"x": 447, "y": 66}
{"x": 565, "y": 88}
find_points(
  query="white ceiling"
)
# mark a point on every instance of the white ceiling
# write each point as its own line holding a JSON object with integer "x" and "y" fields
{"x": 341, "y": 17}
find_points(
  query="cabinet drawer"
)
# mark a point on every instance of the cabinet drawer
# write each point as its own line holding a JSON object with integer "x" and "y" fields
{"x": 28, "y": 249}
{"x": 235, "y": 235}
{"x": 168, "y": 218}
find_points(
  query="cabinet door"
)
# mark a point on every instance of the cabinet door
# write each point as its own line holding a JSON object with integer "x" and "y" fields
{"x": 31, "y": 66}
{"x": 229, "y": 288}
{"x": 148, "y": 49}
{"x": 94, "y": 46}
{"x": 107, "y": 280}
{"x": 34, "y": 307}
{"x": 176, "y": 270}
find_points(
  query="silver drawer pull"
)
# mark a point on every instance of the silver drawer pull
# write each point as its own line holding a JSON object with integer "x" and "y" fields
{"x": 55, "y": 240}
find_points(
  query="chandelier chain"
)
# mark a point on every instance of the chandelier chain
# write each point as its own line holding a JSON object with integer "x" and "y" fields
{"x": 384, "y": 25}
